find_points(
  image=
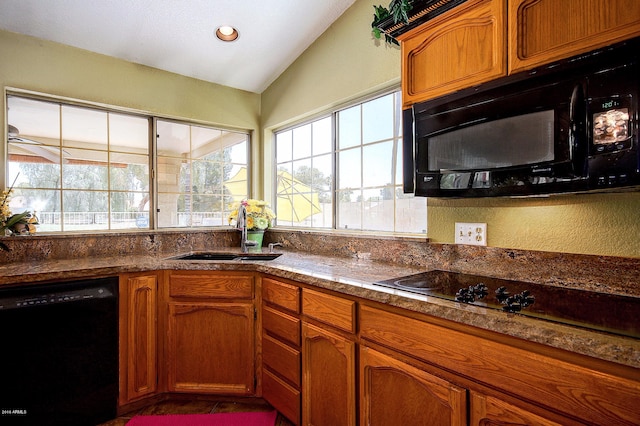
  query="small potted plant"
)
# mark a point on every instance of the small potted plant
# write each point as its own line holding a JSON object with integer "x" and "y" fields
{"x": 15, "y": 224}
{"x": 398, "y": 11}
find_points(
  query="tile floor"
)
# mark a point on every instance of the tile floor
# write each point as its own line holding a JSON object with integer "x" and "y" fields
{"x": 185, "y": 406}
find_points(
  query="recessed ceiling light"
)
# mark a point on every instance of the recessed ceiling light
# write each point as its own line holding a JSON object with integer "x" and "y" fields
{"x": 227, "y": 33}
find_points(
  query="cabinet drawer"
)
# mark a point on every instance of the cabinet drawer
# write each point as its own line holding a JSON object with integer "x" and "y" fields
{"x": 331, "y": 310}
{"x": 281, "y": 325}
{"x": 281, "y": 396}
{"x": 211, "y": 285}
{"x": 286, "y": 296}
{"x": 282, "y": 359}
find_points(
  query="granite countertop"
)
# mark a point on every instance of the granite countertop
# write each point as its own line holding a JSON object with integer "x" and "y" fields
{"x": 351, "y": 276}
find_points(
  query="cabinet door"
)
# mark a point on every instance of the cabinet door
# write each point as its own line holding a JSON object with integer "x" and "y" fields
{"x": 211, "y": 348}
{"x": 328, "y": 378}
{"x": 138, "y": 334}
{"x": 491, "y": 411}
{"x": 461, "y": 48}
{"x": 542, "y": 31}
{"x": 395, "y": 393}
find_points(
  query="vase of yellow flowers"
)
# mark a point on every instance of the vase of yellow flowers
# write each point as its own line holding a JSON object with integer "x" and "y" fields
{"x": 259, "y": 219}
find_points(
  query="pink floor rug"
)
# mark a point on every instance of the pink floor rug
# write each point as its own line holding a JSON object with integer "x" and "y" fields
{"x": 264, "y": 418}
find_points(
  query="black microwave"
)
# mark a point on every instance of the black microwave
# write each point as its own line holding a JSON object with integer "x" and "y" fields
{"x": 571, "y": 126}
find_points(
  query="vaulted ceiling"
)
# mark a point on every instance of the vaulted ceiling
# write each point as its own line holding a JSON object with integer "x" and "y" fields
{"x": 179, "y": 35}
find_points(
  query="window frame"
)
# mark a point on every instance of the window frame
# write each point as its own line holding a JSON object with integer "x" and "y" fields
{"x": 151, "y": 154}
{"x": 396, "y": 137}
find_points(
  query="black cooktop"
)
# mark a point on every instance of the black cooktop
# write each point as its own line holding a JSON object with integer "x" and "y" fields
{"x": 607, "y": 312}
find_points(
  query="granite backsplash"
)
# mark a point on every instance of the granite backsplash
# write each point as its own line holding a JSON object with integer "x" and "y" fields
{"x": 605, "y": 274}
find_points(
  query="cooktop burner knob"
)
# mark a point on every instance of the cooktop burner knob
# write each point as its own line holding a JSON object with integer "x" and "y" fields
{"x": 512, "y": 305}
{"x": 465, "y": 295}
{"x": 480, "y": 290}
{"x": 502, "y": 294}
{"x": 527, "y": 299}
{"x": 516, "y": 302}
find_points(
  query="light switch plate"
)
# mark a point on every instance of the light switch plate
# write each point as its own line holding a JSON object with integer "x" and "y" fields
{"x": 471, "y": 233}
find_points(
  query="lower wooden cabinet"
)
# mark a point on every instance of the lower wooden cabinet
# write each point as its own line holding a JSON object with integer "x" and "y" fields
{"x": 281, "y": 356}
{"x": 328, "y": 359}
{"x": 328, "y": 378}
{"x": 531, "y": 384}
{"x": 318, "y": 349}
{"x": 210, "y": 341}
{"x": 395, "y": 393}
{"x": 138, "y": 336}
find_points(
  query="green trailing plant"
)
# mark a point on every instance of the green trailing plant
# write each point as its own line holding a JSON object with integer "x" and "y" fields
{"x": 398, "y": 10}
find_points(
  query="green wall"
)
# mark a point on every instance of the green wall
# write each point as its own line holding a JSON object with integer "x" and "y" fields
{"x": 345, "y": 63}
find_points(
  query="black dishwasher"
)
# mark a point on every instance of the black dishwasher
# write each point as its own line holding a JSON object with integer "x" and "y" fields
{"x": 59, "y": 353}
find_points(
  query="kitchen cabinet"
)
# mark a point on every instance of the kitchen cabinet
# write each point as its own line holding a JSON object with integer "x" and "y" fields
{"x": 543, "y": 31}
{"x": 210, "y": 332}
{"x": 481, "y": 40}
{"x": 328, "y": 360}
{"x": 281, "y": 354}
{"x": 395, "y": 393}
{"x": 509, "y": 378}
{"x": 464, "y": 46}
{"x": 138, "y": 336}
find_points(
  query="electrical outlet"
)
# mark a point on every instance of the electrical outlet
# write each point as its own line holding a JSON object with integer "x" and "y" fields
{"x": 471, "y": 233}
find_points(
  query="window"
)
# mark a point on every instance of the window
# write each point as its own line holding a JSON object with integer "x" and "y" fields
{"x": 78, "y": 168}
{"x": 83, "y": 168}
{"x": 357, "y": 151}
{"x": 304, "y": 175}
{"x": 201, "y": 172}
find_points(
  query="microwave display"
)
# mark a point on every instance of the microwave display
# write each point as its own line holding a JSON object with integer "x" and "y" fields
{"x": 507, "y": 142}
{"x": 611, "y": 126}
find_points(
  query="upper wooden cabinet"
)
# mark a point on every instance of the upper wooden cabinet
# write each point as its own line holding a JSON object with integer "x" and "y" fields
{"x": 460, "y": 48}
{"x": 543, "y": 31}
{"x": 481, "y": 40}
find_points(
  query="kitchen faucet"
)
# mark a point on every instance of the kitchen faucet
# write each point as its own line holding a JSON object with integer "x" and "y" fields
{"x": 242, "y": 225}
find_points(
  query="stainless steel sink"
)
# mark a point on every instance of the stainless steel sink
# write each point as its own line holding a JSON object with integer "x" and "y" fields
{"x": 226, "y": 256}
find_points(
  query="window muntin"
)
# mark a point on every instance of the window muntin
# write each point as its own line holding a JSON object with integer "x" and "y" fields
{"x": 201, "y": 172}
{"x": 367, "y": 193}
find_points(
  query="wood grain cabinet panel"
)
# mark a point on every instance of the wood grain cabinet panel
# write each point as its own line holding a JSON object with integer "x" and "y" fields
{"x": 543, "y": 31}
{"x": 211, "y": 348}
{"x": 332, "y": 310}
{"x": 579, "y": 388}
{"x": 138, "y": 334}
{"x": 281, "y": 353}
{"x": 282, "y": 359}
{"x": 395, "y": 393}
{"x": 217, "y": 285}
{"x": 491, "y": 411}
{"x": 282, "y": 295}
{"x": 328, "y": 378}
{"x": 282, "y": 325}
{"x": 281, "y": 395}
{"x": 461, "y": 48}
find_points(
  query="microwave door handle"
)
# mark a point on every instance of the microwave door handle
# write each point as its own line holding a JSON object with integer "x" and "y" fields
{"x": 408, "y": 161}
{"x": 577, "y": 130}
